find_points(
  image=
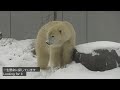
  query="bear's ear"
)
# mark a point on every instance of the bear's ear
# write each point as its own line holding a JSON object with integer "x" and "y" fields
{"x": 60, "y": 31}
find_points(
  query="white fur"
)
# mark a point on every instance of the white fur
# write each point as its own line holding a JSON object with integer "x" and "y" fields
{"x": 59, "y": 52}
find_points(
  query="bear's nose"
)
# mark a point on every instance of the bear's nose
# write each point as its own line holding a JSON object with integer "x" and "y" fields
{"x": 47, "y": 42}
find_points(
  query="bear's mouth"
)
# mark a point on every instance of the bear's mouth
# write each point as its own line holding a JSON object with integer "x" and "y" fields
{"x": 48, "y": 43}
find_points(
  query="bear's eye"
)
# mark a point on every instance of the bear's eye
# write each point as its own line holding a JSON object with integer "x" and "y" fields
{"x": 60, "y": 31}
{"x": 52, "y": 36}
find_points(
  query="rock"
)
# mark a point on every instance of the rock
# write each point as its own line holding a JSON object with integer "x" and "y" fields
{"x": 104, "y": 60}
{"x": 0, "y": 35}
{"x": 33, "y": 51}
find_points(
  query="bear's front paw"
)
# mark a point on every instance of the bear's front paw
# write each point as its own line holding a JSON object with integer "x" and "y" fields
{"x": 50, "y": 65}
{"x": 53, "y": 65}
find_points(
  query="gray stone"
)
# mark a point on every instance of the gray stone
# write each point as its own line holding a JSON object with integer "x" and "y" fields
{"x": 33, "y": 51}
{"x": 0, "y": 35}
{"x": 106, "y": 60}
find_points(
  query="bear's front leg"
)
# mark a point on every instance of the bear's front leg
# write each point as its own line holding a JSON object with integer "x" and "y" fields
{"x": 42, "y": 57}
{"x": 55, "y": 57}
{"x": 67, "y": 53}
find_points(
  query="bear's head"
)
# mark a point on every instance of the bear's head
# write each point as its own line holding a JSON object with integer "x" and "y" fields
{"x": 58, "y": 34}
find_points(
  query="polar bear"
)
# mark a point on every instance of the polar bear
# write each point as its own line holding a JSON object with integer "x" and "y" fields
{"x": 54, "y": 44}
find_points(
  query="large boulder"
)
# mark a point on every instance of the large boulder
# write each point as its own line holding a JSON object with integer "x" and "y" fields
{"x": 98, "y": 59}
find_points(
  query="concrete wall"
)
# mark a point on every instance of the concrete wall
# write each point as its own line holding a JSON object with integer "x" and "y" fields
{"x": 5, "y": 23}
{"x": 89, "y": 25}
{"x": 104, "y": 26}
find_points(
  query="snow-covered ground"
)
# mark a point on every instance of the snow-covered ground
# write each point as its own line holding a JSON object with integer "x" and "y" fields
{"x": 15, "y": 53}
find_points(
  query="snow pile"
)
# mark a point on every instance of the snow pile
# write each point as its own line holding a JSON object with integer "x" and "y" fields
{"x": 90, "y": 47}
{"x": 18, "y": 54}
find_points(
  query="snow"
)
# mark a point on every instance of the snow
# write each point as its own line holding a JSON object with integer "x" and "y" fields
{"x": 17, "y": 53}
{"x": 88, "y": 48}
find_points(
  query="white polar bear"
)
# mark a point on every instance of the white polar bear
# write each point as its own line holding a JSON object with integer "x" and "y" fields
{"x": 54, "y": 44}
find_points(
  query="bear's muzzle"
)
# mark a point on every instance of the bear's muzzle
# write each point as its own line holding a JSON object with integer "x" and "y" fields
{"x": 48, "y": 42}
